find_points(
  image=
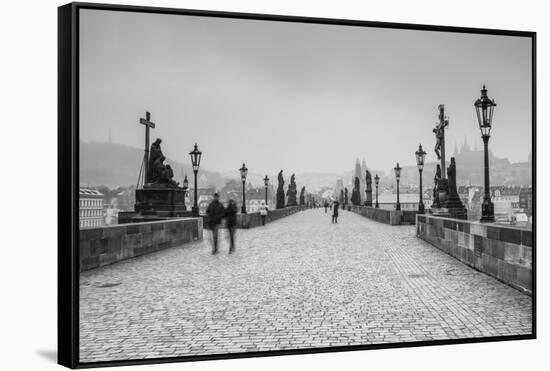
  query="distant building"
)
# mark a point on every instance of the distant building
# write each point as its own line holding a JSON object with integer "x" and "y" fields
{"x": 408, "y": 201}
{"x": 526, "y": 200}
{"x": 91, "y": 208}
{"x": 205, "y": 195}
{"x": 254, "y": 198}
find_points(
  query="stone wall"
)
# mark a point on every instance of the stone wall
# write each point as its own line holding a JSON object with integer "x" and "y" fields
{"x": 110, "y": 244}
{"x": 252, "y": 220}
{"x": 392, "y": 217}
{"x": 502, "y": 251}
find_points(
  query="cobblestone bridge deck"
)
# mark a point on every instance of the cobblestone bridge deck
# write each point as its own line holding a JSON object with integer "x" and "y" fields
{"x": 299, "y": 282}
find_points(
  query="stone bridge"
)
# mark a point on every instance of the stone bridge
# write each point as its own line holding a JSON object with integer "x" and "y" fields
{"x": 299, "y": 282}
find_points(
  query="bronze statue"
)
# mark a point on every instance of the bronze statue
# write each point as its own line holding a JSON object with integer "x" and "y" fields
{"x": 451, "y": 175}
{"x": 157, "y": 169}
{"x": 292, "y": 191}
{"x": 169, "y": 176}
{"x": 154, "y": 155}
{"x": 302, "y": 196}
{"x": 280, "y": 191}
{"x": 281, "y": 179}
{"x": 439, "y": 131}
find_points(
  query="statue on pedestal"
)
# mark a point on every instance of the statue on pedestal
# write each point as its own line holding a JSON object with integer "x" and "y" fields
{"x": 453, "y": 202}
{"x": 291, "y": 192}
{"x": 356, "y": 192}
{"x": 451, "y": 175}
{"x": 160, "y": 194}
{"x": 280, "y": 191}
{"x": 368, "y": 190}
{"x": 302, "y": 196}
{"x": 154, "y": 155}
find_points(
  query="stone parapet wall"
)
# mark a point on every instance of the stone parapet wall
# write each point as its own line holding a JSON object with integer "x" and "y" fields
{"x": 392, "y": 217}
{"x": 502, "y": 251}
{"x": 109, "y": 244}
{"x": 252, "y": 220}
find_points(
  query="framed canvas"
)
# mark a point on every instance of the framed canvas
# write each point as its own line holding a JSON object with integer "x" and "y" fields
{"x": 241, "y": 185}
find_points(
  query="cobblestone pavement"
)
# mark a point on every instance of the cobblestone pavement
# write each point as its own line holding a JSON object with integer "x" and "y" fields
{"x": 299, "y": 282}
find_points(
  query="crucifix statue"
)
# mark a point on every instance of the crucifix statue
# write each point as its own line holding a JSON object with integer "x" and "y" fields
{"x": 148, "y": 124}
{"x": 439, "y": 131}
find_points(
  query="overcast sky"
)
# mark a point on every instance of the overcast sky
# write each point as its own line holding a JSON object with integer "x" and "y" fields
{"x": 299, "y": 97}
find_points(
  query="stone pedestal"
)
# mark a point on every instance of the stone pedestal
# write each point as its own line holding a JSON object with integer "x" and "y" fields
{"x": 160, "y": 201}
{"x": 291, "y": 200}
{"x": 455, "y": 208}
{"x": 280, "y": 198}
{"x": 368, "y": 201}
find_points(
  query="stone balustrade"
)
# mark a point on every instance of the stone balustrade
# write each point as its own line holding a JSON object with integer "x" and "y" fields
{"x": 109, "y": 244}
{"x": 392, "y": 217}
{"x": 502, "y": 251}
{"x": 252, "y": 220}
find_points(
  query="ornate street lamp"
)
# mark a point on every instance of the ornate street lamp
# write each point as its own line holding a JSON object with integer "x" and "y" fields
{"x": 376, "y": 181}
{"x": 195, "y": 162}
{"x": 266, "y": 184}
{"x": 397, "y": 170}
{"x": 484, "y": 108}
{"x": 420, "y": 155}
{"x": 244, "y": 172}
{"x": 185, "y": 190}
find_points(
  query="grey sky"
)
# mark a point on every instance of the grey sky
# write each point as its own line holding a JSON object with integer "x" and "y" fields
{"x": 299, "y": 97}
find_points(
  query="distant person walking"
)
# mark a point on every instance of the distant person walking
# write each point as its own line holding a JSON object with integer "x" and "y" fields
{"x": 335, "y": 205}
{"x": 215, "y": 213}
{"x": 231, "y": 222}
{"x": 326, "y": 206}
{"x": 263, "y": 212}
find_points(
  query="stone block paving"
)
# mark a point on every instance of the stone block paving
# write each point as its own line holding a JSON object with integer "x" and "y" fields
{"x": 299, "y": 282}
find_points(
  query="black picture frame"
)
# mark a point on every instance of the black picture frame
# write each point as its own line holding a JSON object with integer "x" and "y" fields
{"x": 68, "y": 178}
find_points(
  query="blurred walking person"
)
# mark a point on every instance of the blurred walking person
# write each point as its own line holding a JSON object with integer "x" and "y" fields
{"x": 335, "y": 205}
{"x": 231, "y": 222}
{"x": 215, "y": 213}
{"x": 263, "y": 212}
{"x": 326, "y": 206}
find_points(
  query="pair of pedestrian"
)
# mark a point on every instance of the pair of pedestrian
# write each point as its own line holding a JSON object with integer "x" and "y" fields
{"x": 216, "y": 212}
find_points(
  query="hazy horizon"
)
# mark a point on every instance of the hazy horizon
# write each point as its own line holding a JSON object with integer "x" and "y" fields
{"x": 305, "y": 98}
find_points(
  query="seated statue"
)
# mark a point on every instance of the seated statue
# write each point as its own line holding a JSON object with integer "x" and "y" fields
{"x": 169, "y": 176}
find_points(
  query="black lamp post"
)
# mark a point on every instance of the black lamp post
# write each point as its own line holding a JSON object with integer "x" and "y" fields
{"x": 195, "y": 162}
{"x": 244, "y": 172}
{"x": 484, "y": 108}
{"x": 266, "y": 184}
{"x": 397, "y": 170}
{"x": 420, "y": 155}
{"x": 185, "y": 189}
{"x": 376, "y": 181}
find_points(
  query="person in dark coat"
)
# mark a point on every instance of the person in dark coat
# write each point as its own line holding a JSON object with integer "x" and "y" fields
{"x": 335, "y": 205}
{"x": 215, "y": 212}
{"x": 231, "y": 222}
{"x": 326, "y": 206}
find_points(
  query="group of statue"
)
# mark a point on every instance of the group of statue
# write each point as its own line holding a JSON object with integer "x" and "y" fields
{"x": 159, "y": 173}
{"x": 356, "y": 191}
{"x": 290, "y": 193}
